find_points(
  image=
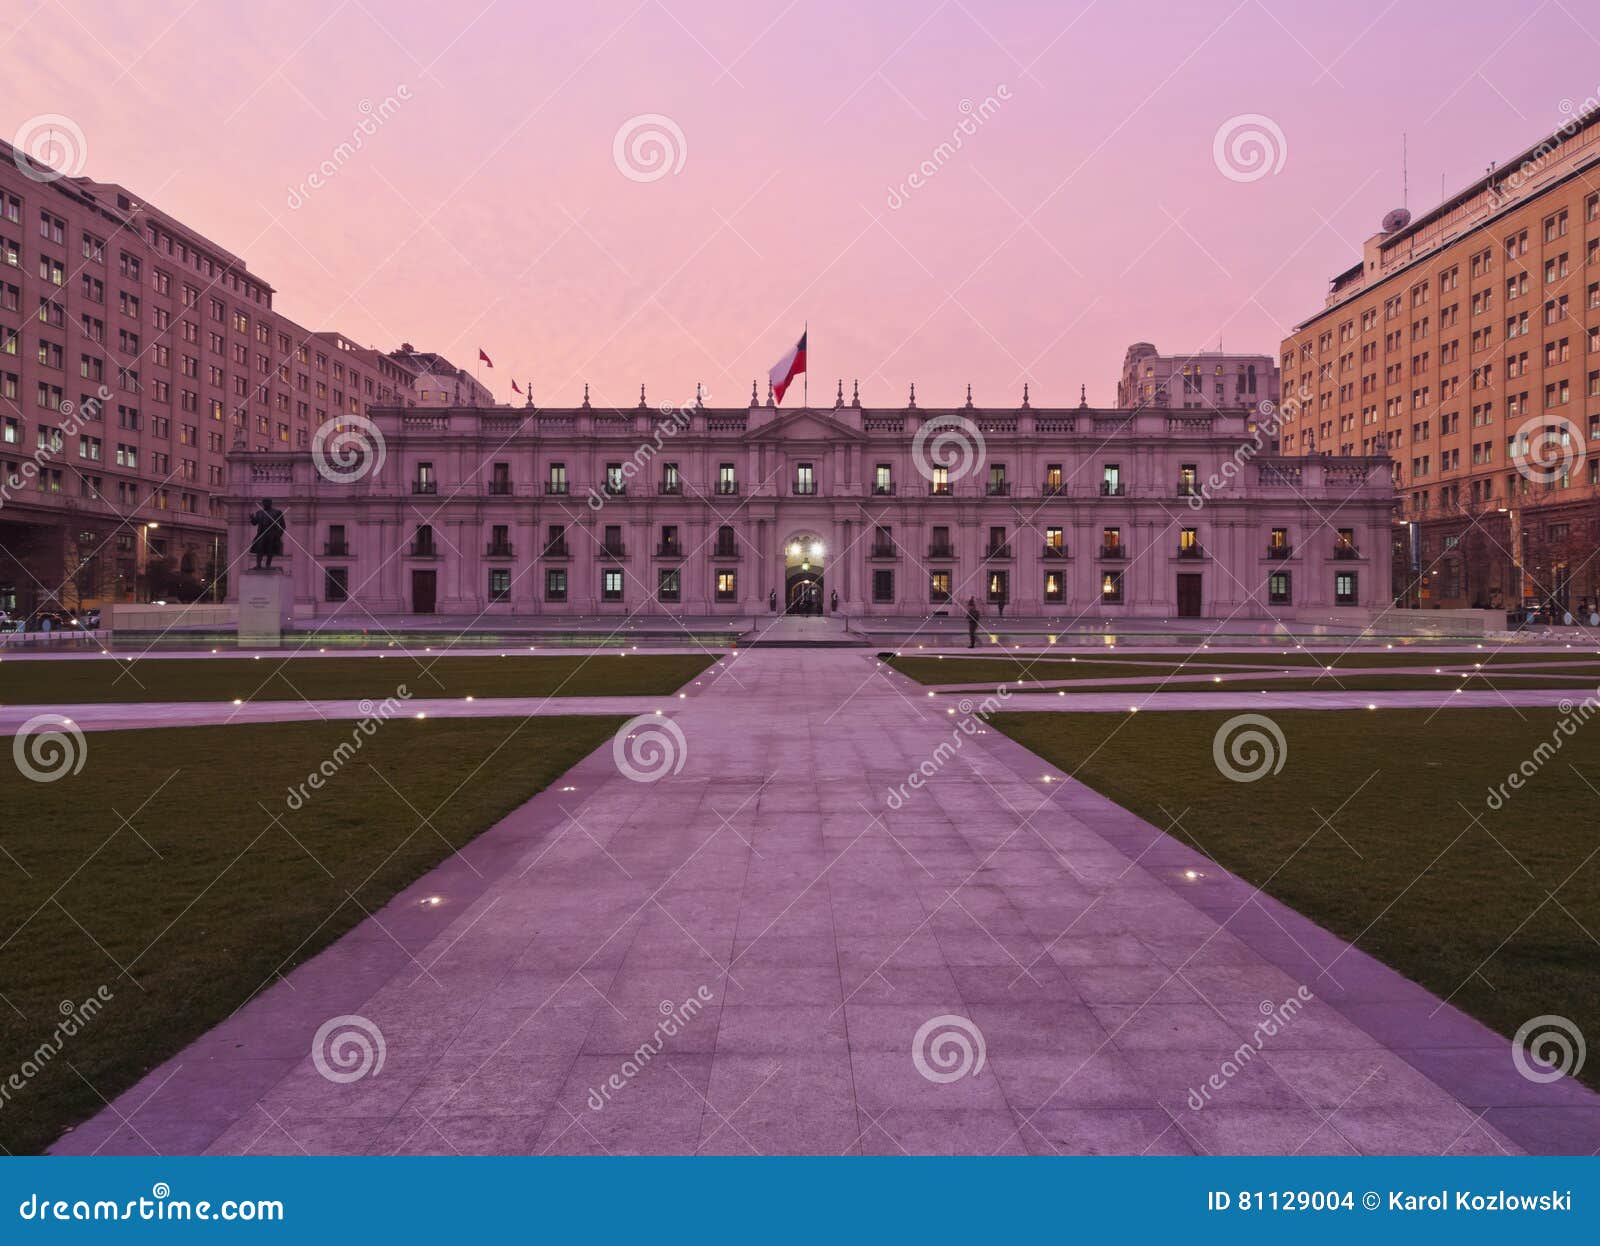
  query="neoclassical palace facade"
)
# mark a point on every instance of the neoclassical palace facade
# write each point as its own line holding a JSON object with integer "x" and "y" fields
{"x": 480, "y": 511}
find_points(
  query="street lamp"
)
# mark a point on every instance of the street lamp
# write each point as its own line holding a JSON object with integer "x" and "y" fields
{"x": 143, "y": 565}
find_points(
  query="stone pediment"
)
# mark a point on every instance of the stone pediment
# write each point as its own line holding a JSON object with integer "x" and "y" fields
{"x": 805, "y": 425}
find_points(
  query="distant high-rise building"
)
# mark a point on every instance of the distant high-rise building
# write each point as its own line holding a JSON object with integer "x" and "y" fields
{"x": 1215, "y": 380}
{"x": 134, "y": 354}
{"x": 1466, "y": 343}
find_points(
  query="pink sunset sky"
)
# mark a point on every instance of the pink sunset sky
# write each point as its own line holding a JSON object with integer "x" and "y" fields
{"x": 1086, "y": 210}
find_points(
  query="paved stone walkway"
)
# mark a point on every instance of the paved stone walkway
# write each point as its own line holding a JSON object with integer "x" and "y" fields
{"x": 796, "y": 933}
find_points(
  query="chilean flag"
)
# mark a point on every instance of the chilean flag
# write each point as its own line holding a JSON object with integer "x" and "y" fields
{"x": 483, "y": 357}
{"x": 786, "y": 369}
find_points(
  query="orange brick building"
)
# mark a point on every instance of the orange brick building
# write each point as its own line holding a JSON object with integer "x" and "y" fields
{"x": 1467, "y": 343}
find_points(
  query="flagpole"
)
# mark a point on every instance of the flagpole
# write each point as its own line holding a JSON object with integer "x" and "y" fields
{"x": 805, "y": 388}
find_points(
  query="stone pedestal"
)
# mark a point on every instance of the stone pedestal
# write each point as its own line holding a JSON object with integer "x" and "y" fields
{"x": 265, "y": 598}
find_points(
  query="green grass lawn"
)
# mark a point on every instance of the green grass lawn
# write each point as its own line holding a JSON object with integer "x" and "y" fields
{"x": 227, "y": 904}
{"x": 935, "y": 671}
{"x": 1340, "y": 683}
{"x": 78, "y": 682}
{"x": 1474, "y": 925}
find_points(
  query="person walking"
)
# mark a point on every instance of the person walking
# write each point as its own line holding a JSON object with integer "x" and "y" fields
{"x": 973, "y": 615}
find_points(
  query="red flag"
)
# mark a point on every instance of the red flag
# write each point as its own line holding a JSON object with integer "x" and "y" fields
{"x": 514, "y": 388}
{"x": 484, "y": 358}
{"x": 786, "y": 369}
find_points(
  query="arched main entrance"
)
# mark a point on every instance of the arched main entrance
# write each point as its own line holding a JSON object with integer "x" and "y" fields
{"x": 802, "y": 579}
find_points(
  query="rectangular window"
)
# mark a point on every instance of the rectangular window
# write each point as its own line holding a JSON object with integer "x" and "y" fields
{"x": 1111, "y": 587}
{"x": 939, "y": 587}
{"x": 1111, "y": 480}
{"x": 555, "y": 584}
{"x": 1278, "y": 593}
{"x": 805, "y": 481}
{"x": 727, "y": 586}
{"x": 727, "y": 481}
{"x": 669, "y": 584}
{"x": 883, "y": 586}
{"x": 999, "y": 587}
{"x": 1344, "y": 588}
{"x": 500, "y": 584}
{"x": 611, "y": 585}
{"x": 336, "y": 584}
{"x": 1053, "y": 587}
{"x": 882, "y": 479}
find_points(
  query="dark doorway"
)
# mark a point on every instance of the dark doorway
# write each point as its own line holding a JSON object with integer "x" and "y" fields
{"x": 1189, "y": 596}
{"x": 804, "y": 594}
{"x": 424, "y": 591}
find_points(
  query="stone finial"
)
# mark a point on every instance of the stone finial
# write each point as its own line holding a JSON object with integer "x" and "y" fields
{"x": 642, "y": 402}
{"x": 754, "y": 401}
{"x": 855, "y": 393}
{"x": 1083, "y": 395}
{"x": 770, "y": 403}
{"x": 699, "y": 398}
{"x": 527, "y": 397}
{"x": 838, "y": 399}
{"x": 969, "y": 395}
{"x": 913, "y": 402}
{"x": 1025, "y": 403}
{"x": 586, "y": 395}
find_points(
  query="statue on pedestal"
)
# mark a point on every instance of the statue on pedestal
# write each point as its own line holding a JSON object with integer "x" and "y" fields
{"x": 267, "y": 543}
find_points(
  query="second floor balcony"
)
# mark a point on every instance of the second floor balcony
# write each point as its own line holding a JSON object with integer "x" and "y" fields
{"x": 882, "y": 489}
{"x": 883, "y": 551}
{"x": 423, "y": 549}
{"x": 1192, "y": 551}
{"x": 1113, "y": 489}
{"x": 336, "y": 549}
{"x": 669, "y": 549}
{"x": 939, "y": 489}
{"x": 556, "y": 488}
{"x": 1117, "y": 552}
{"x": 941, "y": 549}
{"x": 805, "y": 488}
{"x": 728, "y": 488}
{"x": 670, "y": 488}
{"x": 425, "y": 486}
{"x": 498, "y": 549}
{"x": 725, "y": 550}
{"x": 1052, "y": 489}
{"x": 1279, "y": 552}
{"x": 555, "y": 549}
{"x": 615, "y": 488}
{"x": 996, "y": 550}
{"x": 1054, "y": 551}
{"x": 613, "y": 549}
{"x": 499, "y": 488}
{"x": 1346, "y": 552}
{"x": 999, "y": 488}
